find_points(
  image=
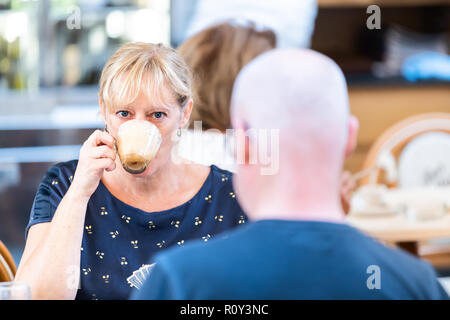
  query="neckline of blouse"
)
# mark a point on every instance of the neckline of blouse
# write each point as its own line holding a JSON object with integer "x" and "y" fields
{"x": 206, "y": 186}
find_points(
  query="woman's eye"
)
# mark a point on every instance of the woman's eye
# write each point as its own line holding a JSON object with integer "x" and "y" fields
{"x": 159, "y": 115}
{"x": 123, "y": 114}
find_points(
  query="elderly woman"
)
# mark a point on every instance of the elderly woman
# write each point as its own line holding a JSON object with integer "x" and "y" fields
{"x": 93, "y": 223}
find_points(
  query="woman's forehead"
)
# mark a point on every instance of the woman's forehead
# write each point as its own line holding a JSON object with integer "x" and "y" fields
{"x": 149, "y": 98}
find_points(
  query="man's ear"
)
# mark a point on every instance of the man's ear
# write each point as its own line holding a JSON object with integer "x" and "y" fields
{"x": 187, "y": 110}
{"x": 242, "y": 145}
{"x": 353, "y": 128}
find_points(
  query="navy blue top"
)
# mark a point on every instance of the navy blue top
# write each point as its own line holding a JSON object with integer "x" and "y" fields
{"x": 275, "y": 259}
{"x": 118, "y": 238}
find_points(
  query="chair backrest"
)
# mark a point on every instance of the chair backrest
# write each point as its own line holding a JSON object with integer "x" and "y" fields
{"x": 6, "y": 274}
{"x": 397, "y": 137}
{"x": 7, "y": 265}
{"x": 425, "y": 161}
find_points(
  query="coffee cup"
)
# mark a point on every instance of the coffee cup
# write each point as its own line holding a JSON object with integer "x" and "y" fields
{"x": 137, "y": 144}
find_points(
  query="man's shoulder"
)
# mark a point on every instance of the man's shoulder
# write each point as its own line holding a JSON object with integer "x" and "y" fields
{"x": 196, "y": 252}
{"x": 399, "y": 266}
{"x": 417, "y": 267}
{"x": 395, "y": 256}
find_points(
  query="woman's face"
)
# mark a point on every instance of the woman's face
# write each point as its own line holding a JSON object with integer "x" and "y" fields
{"x": 167, "y": 116}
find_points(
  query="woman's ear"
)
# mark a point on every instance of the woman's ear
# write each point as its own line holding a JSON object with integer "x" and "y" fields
{"x": 186, "y": 113}
{"x": 102, "y": 109}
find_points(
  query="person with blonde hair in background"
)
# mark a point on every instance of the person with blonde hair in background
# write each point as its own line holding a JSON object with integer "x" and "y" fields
{"x": 93, "y": 223}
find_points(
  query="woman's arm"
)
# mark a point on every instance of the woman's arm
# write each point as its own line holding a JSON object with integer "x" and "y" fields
{"x": 51, "y": 260}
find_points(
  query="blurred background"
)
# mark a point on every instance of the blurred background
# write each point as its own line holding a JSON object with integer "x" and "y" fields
{"x": 52, "y": 53}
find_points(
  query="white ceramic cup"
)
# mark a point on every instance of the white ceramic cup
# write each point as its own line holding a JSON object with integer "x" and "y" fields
{"x": 137, "y": 144}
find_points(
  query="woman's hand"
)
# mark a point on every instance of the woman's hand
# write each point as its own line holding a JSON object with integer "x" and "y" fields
{"x": 96, "y": 154}
{"x": 348, "y": 185}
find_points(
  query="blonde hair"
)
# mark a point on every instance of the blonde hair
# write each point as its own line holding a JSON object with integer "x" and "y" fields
{"x": 140, "y": 66}
{"x": 215, "y": 56}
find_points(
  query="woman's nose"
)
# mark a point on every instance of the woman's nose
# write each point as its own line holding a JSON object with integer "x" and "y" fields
{"x": 141, "y": 116}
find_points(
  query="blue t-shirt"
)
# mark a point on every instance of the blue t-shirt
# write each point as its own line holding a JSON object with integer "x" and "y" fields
{"x": 118, "y": 238}
{"x": 279, "y": 259}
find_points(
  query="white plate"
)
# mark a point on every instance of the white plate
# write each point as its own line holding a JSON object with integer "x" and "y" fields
{"x": 374, "y": 212}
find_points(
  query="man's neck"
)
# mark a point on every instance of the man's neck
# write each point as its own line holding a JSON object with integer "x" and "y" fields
{"x": 327, "y": 211}
{"x": 332, "y": 217}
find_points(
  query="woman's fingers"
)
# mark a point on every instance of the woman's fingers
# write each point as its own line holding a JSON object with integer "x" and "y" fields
{"x": 100, "y": 138}
{"x": 100, "y": 148}
{"x": 106, "y": 164}
{"x": 96, "y": 155}
{"x": 103, "y": 152}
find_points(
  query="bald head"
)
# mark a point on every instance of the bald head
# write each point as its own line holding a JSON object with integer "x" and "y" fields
{"x": 301, "y": 92}
{"x": 303, "y": 96}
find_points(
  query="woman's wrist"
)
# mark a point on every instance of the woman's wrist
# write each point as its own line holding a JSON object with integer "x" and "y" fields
{"x": 76, "y": 194}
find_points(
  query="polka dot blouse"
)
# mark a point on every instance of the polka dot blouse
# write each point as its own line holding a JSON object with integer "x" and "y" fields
{"x": 119, "y": 239}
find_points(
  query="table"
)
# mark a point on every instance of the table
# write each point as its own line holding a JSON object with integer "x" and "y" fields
{"x": 398, "y": 229}
{"x": 401, "y": 230}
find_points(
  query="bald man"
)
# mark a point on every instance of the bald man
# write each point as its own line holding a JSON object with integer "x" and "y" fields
{"x": 297, "y": 245}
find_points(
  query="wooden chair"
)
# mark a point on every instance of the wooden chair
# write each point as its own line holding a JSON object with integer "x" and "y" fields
{"x": 396, "y": 138}
{"x": 7, "y": 265}
{"x": 392, "y": 142}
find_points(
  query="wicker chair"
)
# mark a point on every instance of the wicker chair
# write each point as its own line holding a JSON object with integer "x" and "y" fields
{"x": 396, "y": 138}
{"x": 392, "y": 143}
{"x": 7, "y": 265}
